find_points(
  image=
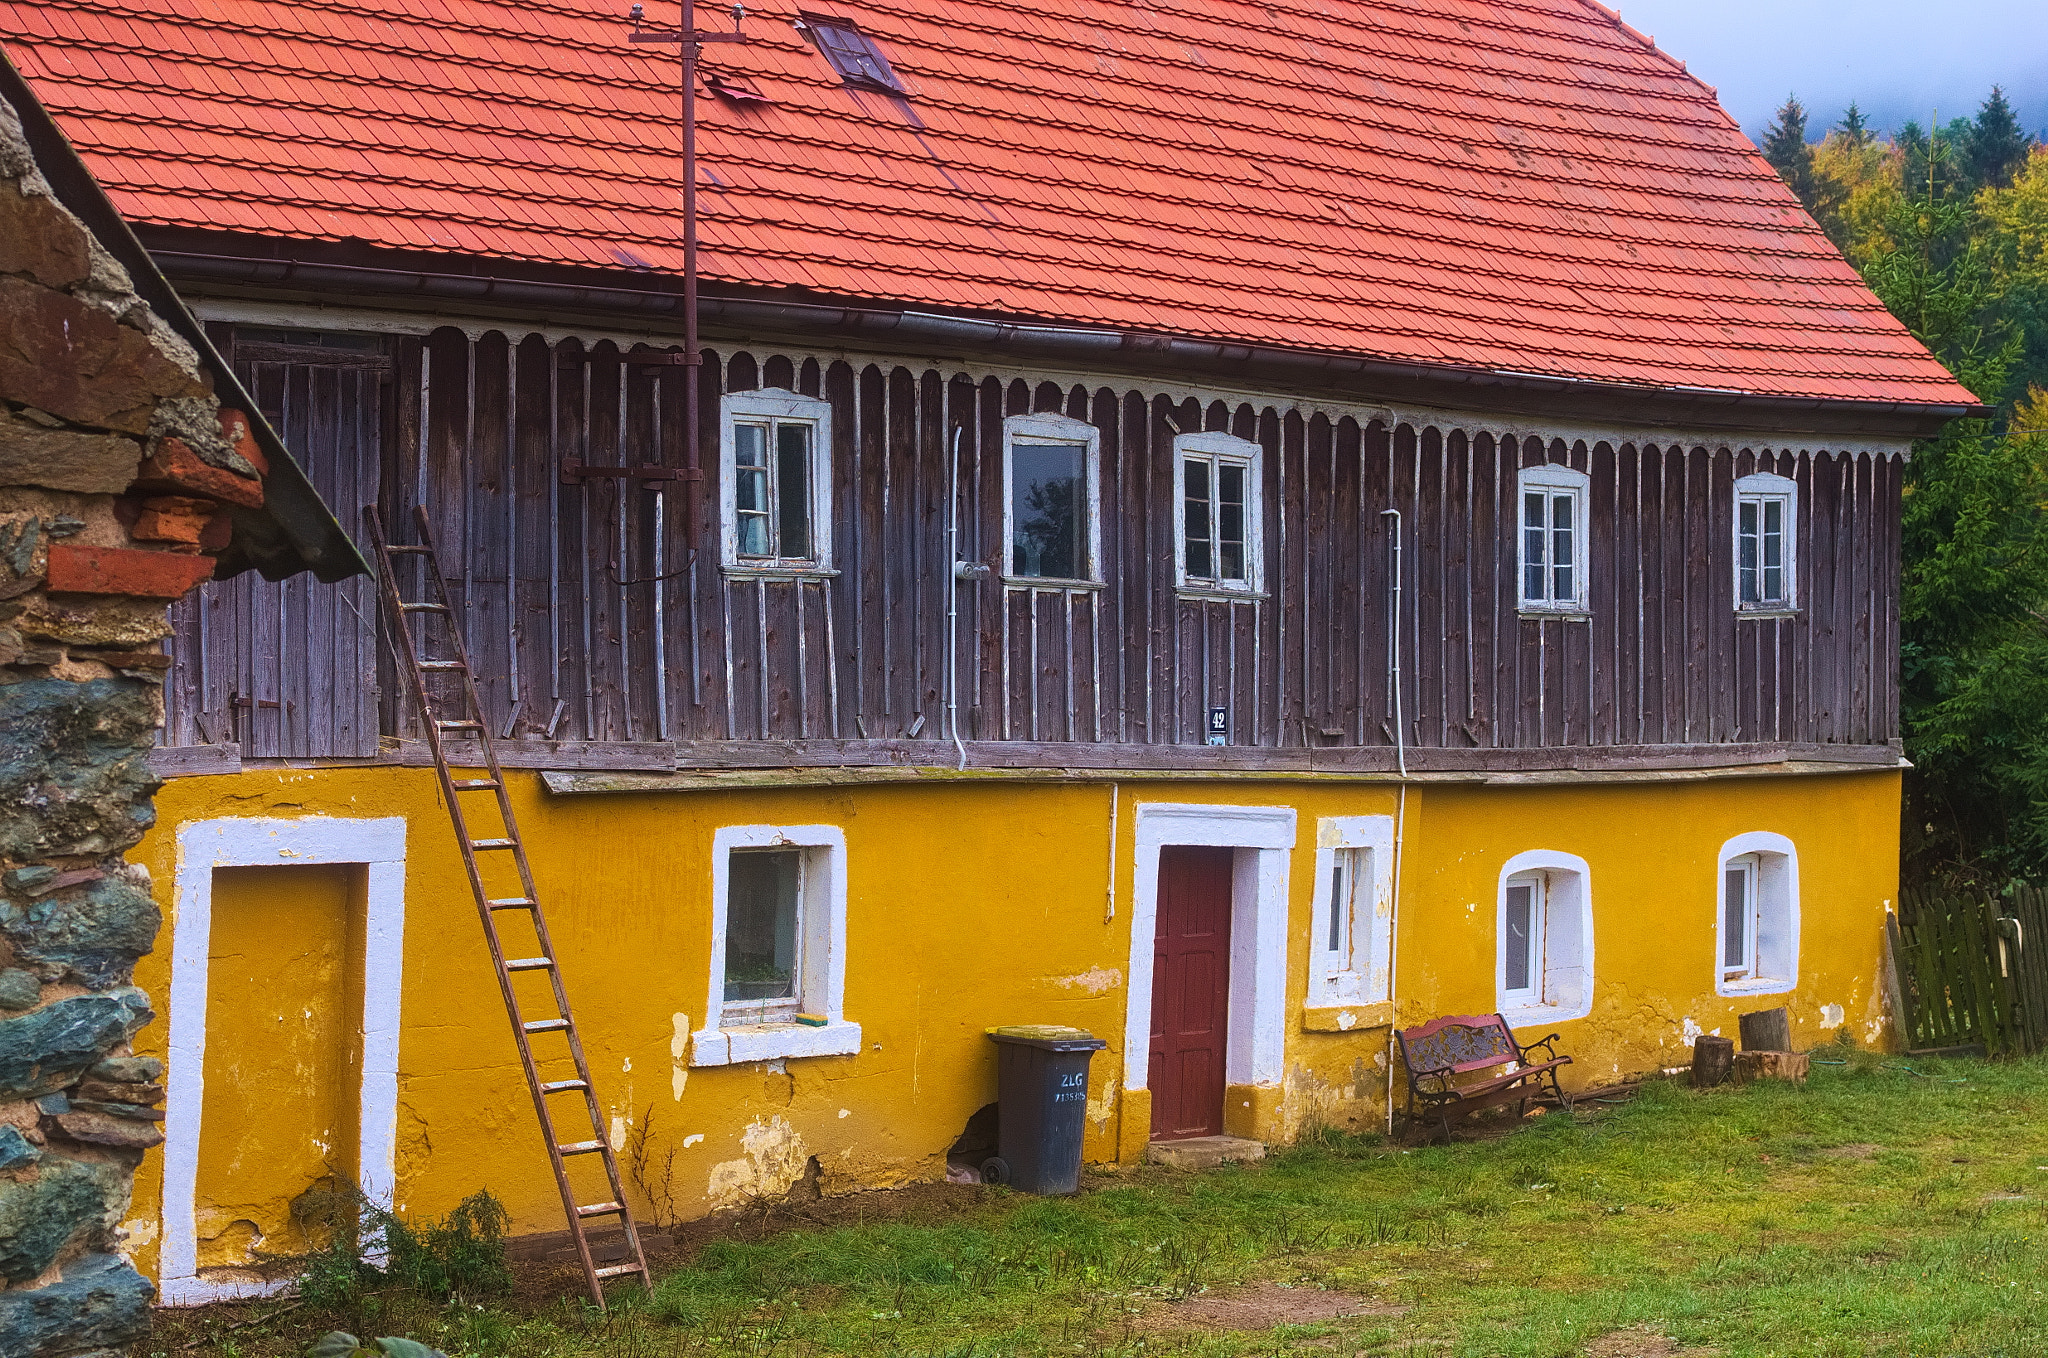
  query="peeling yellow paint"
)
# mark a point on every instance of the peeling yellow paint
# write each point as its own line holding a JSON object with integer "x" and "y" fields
{"x": 774, "y": 1160}
{"x": 1094, "y": 981}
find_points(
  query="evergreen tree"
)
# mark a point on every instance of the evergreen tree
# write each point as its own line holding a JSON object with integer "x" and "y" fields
{"x": 1854, "y": 126}
{"x": 1996, "y": 148}
{"x": 1784, "y": 146}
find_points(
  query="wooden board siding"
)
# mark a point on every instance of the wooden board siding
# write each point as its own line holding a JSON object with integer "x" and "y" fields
{"x": 593, "y": 623}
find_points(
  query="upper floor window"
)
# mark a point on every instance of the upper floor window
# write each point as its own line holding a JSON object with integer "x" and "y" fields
{"x": 1218, "y": 525}
{"x": 775, "y": 485}
{"x": 1051, "y": 503}
{"x": 852, "y": 53}
{"x": 1757, "y": 920}
{"x": 1553, "y": 538}
{"x": 1765, "y": 534}
{"x": 1545, "y": 938}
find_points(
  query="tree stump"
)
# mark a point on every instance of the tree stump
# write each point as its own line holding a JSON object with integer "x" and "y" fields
{"x": 1713, "y": 1058}
{"x": 1770, "y": 1066}
{"x": 1768, "y": 1030}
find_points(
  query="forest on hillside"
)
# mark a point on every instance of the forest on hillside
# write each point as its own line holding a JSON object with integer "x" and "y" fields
{"x": 1949, "y": 225}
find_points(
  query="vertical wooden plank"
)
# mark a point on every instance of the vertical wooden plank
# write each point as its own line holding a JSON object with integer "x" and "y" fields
{"x": 1429, "y": 606}
{"x": 1605, "y": 557}
{"x": 1822, "y": 504}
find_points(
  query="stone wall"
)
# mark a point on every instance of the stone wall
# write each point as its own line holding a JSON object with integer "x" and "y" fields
{"x": 115, "y": 463}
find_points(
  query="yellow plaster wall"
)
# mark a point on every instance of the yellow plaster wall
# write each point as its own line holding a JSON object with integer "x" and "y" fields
{"x": 983, "y": 904}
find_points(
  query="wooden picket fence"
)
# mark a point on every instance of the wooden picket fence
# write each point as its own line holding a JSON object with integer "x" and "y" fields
{"x": 1971, "y": 970}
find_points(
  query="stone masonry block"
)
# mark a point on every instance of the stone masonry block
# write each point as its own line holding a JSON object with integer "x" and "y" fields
{"x": 49, "y": 1048}
{"x": 100, "y": 1303}
{"x": 122, "y": 570}
{"x": 74, "y": 360}
{"x": 40, "y": 239}
{"x": 173, "y": 468}
{"x": 74, "y": 771}
{"x": 64, "y": 459}
{"x": 40, "y": 1215}
{"x": 91, "y": 934}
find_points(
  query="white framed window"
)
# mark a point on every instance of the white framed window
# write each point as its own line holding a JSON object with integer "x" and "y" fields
{"x": 778, "y": 946}
{"x": 775, "y": 481}
{"x": 1217, "y": 529}
{"x": 1551, "y": 537}
{"x": 1052, "y": 500}
{"x": 1351, "y": 950}
{"x": 1756, "y": 915}
{"x": 1766, "y": 543}
{"x": 1544, "y": 958}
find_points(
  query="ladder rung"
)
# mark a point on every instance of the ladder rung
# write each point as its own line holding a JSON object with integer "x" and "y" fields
{"x": 513, "y": 903}
{"x": 601, "y": 1209}
{"x": 529, "y": 964}
{"x": 459, "y": 725}
{"x": 615, "y": 1271}
{"x": 581, "y": 1148}
{"x": 442, "y": 665}
{"x": 545, "y": 1025}
{"x": 423, "y": 608}
{"x": 395, "y": 548}
{"x": 474, "y": 784}
{"x": 481, "y": 844}
{"x": 562, "y": 1086}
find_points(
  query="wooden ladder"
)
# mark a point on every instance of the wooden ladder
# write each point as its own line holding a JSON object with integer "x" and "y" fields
{"x": 466, "y": 719}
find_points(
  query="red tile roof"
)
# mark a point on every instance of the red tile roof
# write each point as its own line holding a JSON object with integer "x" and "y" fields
{"x": 1521, "y": 185}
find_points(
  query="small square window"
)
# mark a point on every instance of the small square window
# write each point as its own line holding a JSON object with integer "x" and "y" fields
{"x": 1757, "y": 915}
{"x": 1218, "y": 528}
{"x": 1049, "y": 499}
{"x": 1552, "y": 539}
{"x": 776, "y": 483}
{"x": 853, "y": 54}
{"x": 1353, "y": 919}
{"x": 1764, "y": 542}
{"x": 1545, "y": 938}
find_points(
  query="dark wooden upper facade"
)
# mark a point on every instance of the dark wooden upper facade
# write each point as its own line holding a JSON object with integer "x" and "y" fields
{"x": 598, "y": 638}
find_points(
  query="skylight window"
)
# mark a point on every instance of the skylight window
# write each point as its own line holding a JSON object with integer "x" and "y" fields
{"x": 853, "y": 54}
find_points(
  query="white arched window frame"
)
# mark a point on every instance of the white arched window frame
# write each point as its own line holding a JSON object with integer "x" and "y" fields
{"x": 772, "y": 526}
{"x": 1045, "y": 436}
{"x": 1552, "y": 539}
{"x": 1217, "y": 480}
{"x": 1545, "y": 914}
{"x": 1756, "y": 915}
{"x": 1351, "y": 947}
{"x": 1766, "y": 553}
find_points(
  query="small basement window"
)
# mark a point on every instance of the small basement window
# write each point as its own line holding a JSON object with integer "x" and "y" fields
{"x": 852, "y": 53}
{"x": 778, "y": 946}
{"x": 1765, "y": 537}
{"x": 1545, "y": 938}
{"x": 1552, "y": 540}
{"x": 1757, "y": 916}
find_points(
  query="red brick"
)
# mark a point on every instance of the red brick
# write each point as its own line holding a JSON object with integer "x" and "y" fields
{"x": 174, "y": 468}
{"x": 123, "y": 570}
{"x": 234, "y": 427}
{"x": 173, "y": 518}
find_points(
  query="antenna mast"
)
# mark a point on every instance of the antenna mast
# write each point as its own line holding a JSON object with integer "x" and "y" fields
{"x": 690, "y": 41}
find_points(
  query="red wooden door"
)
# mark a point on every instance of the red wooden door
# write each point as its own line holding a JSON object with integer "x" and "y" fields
{"x": 1190, "y": 992}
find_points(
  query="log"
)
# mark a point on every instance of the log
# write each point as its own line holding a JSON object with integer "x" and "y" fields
{"x": 1713, "y": 1058}
{"x": 1753, "y": 1065}
{"x": 1767, "y": 1030}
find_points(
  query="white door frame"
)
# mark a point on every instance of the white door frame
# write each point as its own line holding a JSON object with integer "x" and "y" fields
{"x": 1255, "y": 1044}
{"x": 246, "y": 842}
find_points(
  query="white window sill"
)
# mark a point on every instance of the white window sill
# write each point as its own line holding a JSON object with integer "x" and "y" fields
{"x": 1220, "y": 594}
{"x": 1556, "y": 614}
{"x": 1537, "y": 1015}
{"x": 1049, "y": 583}
{"x": 1768, "y": 985}
{"x": 767, "y": 572}
{"x": 772, "y": 1041}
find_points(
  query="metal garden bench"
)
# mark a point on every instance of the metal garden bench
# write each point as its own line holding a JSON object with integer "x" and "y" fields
{"x": 1442, "y": 1053}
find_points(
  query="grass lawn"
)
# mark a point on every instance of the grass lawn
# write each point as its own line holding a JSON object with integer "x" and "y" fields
{"x": 1878, "y": 1210}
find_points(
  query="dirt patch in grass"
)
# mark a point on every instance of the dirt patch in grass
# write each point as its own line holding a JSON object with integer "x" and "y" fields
{"x": 1855, "y": 1150}
{"x": 1641, "y": 1341}
{"x": 1261, "y": 1307}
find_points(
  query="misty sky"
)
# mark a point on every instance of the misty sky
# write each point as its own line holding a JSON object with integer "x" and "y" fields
{"x": 1897, "y": 60}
